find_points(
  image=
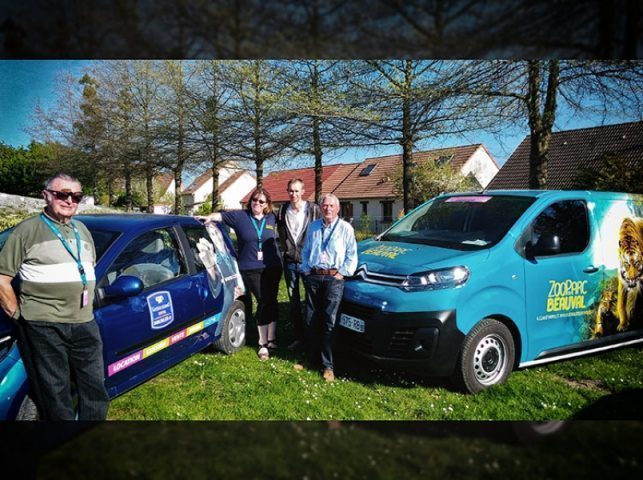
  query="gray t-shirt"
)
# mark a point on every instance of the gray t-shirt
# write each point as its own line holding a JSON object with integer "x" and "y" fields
{"x": 51, "y": 288}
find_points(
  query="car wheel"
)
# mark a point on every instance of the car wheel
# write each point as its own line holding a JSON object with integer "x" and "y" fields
{"x": 27, "y": 410}
{"x": 486, "y": 358}
{"x": 233, "y": 334}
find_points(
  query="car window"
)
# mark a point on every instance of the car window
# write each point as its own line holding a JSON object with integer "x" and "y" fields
{"x": 102, "y": 240}
{"x": 153, "y": 257}
{"x": 568, "y": 221}
{"x": 195, "y": 235}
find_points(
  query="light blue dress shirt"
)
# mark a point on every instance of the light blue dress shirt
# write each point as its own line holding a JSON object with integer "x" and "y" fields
{"x": 341, "y": 248}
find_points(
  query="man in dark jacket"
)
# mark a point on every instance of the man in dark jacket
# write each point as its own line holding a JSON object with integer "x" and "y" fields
{"x": 292, "y": 222}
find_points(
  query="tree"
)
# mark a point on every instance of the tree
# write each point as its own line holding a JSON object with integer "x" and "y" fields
{"x": 613, "y": 174}
{"x": 258, "y": 122}
{"x": 179, "y": 146}
{"x": 431, "y": 178}
{"x": 144, "y": 88}
{"x": 21, "y": 172}
{"x": 534, "y": 89}
{"x": 210, "y": 99}
{"x": 319, "y": 104}
{"x": 414, "y": 101}
{"x": 89, "y": 132}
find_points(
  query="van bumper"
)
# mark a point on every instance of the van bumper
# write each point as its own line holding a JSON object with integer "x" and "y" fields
{"x": 427, "y": 342}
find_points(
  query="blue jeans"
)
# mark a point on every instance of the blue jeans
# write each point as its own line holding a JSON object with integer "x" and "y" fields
{"x": 58, "y": 353}
{"x": 292, "y": 275}
{"x": 324, "y": 294}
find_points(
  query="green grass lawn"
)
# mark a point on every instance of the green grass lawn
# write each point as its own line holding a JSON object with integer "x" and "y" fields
{"x": 213, "y": 386}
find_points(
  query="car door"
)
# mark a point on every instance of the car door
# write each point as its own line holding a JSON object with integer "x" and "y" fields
{"x": 562, "y": 284}
{"x": 146, "y": 333}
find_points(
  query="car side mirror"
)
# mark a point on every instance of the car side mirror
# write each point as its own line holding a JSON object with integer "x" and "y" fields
{"x": 123, "y": 286}
{"x": 548, "y": 244}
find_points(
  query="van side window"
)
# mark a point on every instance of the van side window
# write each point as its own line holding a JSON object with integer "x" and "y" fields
{"x": 568, "y": 221}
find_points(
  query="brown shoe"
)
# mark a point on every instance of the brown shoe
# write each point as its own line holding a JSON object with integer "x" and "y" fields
{"x": 328, "y": 375}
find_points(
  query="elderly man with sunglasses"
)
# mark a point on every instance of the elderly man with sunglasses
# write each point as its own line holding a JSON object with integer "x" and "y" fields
{"x": 59, "y": 340}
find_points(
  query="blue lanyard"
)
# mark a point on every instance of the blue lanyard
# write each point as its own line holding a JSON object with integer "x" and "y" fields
{"x": 258, "y": 229}
{"x": 54, "y": 229}
{"x": 327, "y": 241}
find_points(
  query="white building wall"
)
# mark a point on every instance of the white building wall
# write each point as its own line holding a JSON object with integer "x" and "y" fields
{"x": 201, "y": 194}
{"x": 482, "y": 167}
{"x": 231, "y": 198}
{"x": 374, "y": 211}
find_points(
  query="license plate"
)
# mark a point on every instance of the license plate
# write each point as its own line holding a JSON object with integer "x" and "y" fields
{"x": 352, "y": 323}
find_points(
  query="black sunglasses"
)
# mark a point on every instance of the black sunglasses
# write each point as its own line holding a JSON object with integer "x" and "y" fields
{"x": 260, "y": 202}
{"x": 76, "y": 197}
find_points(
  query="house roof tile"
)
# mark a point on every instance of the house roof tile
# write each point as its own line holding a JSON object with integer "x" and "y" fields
{"x": 378, "y": 184}
{"x": 276, "y": 182}
{"x": 571, "y": 149}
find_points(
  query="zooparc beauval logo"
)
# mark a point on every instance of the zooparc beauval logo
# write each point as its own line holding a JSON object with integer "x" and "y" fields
{"x": 386, "y": 251}
{"x": 566, "y": 295}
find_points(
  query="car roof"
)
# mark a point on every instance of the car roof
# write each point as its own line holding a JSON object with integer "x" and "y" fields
{"x": 133, "y": 221}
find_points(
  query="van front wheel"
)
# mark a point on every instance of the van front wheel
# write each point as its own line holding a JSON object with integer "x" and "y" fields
{"x": 486, "y": 358}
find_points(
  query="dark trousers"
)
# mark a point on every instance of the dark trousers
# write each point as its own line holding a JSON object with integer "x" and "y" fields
{"x": 324, "y": 295}
{"x": 292, "y": 275}
{"x": 54, "y": 354}
{"x": 264, "y": 286}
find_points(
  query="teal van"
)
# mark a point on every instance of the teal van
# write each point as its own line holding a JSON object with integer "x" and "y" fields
{"x": 474, "y": 285}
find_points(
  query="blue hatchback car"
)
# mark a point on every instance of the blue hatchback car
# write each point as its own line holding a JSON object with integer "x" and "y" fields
{"x": 166, "y": 288}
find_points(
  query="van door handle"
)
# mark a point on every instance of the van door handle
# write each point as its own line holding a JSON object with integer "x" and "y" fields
{"x": 590, "y": 269}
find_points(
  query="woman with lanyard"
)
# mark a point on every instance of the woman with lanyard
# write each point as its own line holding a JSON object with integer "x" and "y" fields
{"x": 259, "y": 261}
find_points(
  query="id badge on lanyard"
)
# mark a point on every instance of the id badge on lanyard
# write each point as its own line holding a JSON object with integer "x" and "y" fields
{"x": 259, "y": 230}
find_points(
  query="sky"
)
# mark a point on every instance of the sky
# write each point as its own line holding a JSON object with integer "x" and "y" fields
{"x": 23, "y": 83}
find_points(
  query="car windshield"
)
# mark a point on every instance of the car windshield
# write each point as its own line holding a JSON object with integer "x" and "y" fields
{"x": 465, "y": 222}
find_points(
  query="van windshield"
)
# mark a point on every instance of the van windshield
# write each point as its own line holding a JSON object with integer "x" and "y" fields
{"x": 464, "y": 222}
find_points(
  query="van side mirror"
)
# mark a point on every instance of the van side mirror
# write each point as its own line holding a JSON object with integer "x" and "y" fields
{"x": 123, "y": 286}
{"x": 548, "y": 244}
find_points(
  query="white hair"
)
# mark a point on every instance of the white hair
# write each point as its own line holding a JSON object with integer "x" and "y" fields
{"x": 61, "y": 176}
{"x": 332, "y": 197}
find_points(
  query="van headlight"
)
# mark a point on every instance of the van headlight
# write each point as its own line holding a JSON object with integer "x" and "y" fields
{"x": 436, "y": 279}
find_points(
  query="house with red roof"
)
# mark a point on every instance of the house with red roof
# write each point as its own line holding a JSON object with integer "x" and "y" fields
{"x": 276, "y": 183}
{"x": 366, "y": 188}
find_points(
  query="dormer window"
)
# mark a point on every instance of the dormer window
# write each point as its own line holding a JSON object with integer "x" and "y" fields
{"x": 366, "y": 171}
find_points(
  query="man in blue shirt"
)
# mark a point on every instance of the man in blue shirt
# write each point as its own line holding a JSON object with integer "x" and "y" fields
{"x": 329, "y": 255}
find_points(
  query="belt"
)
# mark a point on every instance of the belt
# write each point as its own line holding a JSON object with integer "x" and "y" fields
{"x": 323, "y": 271}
